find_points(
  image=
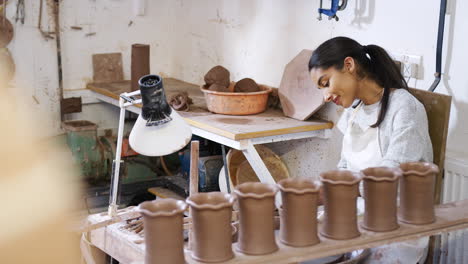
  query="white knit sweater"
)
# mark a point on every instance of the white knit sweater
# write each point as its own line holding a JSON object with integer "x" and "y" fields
{"x": 403, "y": 134}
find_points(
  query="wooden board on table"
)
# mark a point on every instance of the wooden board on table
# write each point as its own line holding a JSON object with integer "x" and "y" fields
{"x": 269, "y": 123}
{"x": 165, "y": 193}
{"x": 107, "y": 67}
{"x": 110, "y": 89}
{"x": 451, "y": 216}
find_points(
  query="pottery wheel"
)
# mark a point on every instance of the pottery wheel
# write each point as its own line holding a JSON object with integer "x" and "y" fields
{"x": 7, "y": 66}
{"x": 6, "y": 32}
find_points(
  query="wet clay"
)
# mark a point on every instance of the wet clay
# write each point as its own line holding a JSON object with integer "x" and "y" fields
{"x": 246, "y": 85}
{"x": 417, "y": 192}
{"x": 218, "y": 88}
{"x": 180, "y": 101}
{"x": 256, "y": 218}
{"x": 163, "y": 225}
{"x": 219, "y": 75}
{"x": 298, "y": 225}
{"x": 380, "y": 194}
{"x": 212, "y": 231}
{"x": 341, "y": 189}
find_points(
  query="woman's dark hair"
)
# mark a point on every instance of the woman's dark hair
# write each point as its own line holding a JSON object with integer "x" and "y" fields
{"x": 372, "y": 61}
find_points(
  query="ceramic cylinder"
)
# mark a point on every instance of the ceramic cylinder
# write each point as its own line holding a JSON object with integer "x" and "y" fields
{"x": 417, "y": 192}
{"x": 380, "y": 195}
{"x": 340, "y": 189}
{"x": 256, "y": 218}
{"x": 140, "y": 64}
{"x": 163, "y": 225}
{"x": 298, "y": 225}
{"x": 211, "y": 225}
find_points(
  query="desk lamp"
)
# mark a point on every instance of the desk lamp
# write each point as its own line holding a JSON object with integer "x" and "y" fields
{"x": 158, "y": 131}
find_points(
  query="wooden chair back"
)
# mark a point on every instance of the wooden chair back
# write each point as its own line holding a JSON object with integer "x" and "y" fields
{"x": 438, "y": 114}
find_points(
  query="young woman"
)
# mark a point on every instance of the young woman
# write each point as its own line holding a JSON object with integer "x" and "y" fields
{"x": 383, "y": 124}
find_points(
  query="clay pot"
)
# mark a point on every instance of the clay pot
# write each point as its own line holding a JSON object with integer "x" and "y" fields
{"x": 211, "y": 223}
{"x": 341, "y": 189}
{"x": 256, "y": 218}
{"x": 380, "y": 194}
{"x": 163, "y": 225}
{"x": 417, "y": 192}
{"x": 298, "y": 225}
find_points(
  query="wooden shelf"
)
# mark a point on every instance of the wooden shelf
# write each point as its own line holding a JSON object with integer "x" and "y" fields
{"x": 128, "y": 247}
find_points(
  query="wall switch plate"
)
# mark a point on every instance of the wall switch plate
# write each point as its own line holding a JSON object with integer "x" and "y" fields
{"x": 409, "y": 64}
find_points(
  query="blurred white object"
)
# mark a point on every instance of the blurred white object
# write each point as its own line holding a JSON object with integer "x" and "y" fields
{"x": 139, "y": 7}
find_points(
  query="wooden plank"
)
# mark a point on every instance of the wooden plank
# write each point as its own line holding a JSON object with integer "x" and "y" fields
{"x": 110, "y": 89}
{"x": 122, "y": 215}
{"x": 165, "y": 193}
{"x": 269, "y": 123}
{"x": 451, "y": 216}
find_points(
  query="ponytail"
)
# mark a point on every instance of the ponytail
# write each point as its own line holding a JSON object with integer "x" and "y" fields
{"x": 386, "y": 73}
{"x": 374, "y": 63}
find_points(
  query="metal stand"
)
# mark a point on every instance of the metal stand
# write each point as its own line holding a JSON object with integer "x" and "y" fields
{"x": 125, "y": 101}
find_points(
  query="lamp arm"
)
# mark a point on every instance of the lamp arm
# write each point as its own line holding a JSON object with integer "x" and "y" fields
{"x": 112, "y": 211}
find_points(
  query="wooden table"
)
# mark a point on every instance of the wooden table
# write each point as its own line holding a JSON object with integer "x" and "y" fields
{"x": 239, "y": 132}
{"x": 128, "y": 247}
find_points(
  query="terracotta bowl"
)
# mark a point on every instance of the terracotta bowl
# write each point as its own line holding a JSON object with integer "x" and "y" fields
{"x": 230, "y": 103}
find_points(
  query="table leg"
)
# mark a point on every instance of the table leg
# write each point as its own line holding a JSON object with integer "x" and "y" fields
{"x": 260, "y": 168}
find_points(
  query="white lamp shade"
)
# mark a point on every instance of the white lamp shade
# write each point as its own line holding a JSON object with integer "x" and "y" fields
{"x": 162, "y": 139}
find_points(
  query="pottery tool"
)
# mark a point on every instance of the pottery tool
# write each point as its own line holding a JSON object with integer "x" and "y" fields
{"x": 140, "y": 65}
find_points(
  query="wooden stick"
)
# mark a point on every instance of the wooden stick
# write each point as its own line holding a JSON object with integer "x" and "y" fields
{"x": 194, "y": 152}
{"x": 116, "y": 219}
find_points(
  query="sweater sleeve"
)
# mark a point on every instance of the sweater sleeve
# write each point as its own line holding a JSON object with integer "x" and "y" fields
{"x": 342, "y": 125}
{"x": 408, "y": 137}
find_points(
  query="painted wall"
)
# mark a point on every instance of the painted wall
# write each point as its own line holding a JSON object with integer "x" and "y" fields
{"x": 252, "y": 38}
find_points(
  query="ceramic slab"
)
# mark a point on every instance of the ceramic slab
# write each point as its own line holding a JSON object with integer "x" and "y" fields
{"x": 300, "y": 98}
{"x": 107, "y": 67}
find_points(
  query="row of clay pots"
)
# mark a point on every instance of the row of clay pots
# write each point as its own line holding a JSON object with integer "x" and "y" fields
{"x": 211, "y": 213}
{"x": 341, "y": 189}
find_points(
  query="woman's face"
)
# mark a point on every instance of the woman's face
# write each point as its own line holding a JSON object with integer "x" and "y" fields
{"x": 338, "y": 86}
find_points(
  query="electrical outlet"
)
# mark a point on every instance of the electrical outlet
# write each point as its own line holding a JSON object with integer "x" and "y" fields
{"x": 409, "y": 70}
{"x": 409, "y": 64}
